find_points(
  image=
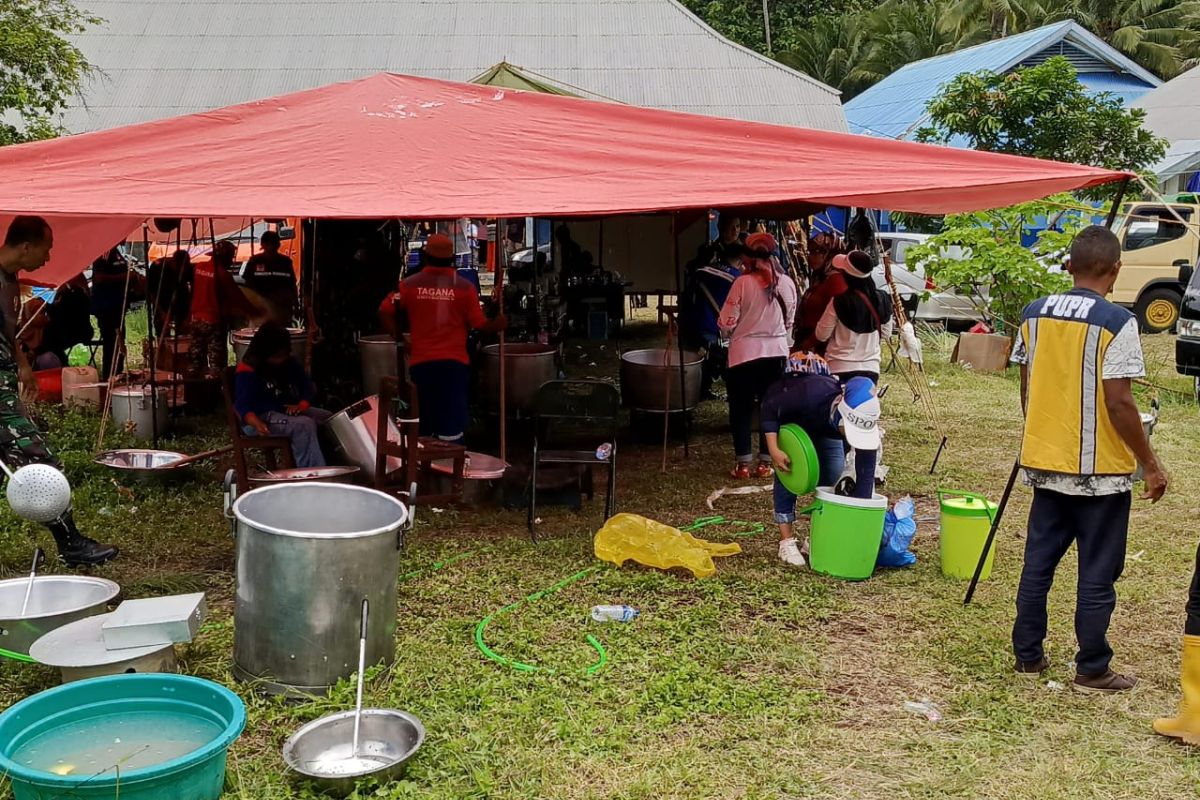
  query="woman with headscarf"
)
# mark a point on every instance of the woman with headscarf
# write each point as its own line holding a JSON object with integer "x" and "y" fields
{"x": 855, "y": 321}
{"x": 757, "y": 319}
{"x": 825, "y": 283}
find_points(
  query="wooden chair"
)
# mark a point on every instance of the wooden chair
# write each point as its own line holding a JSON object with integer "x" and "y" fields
{"x": 416, "y": 453}
{"x": 276, "y": 450}
{"x": 594, "y": 404}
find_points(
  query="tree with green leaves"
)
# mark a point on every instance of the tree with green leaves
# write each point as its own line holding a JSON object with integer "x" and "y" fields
{"x": 853, "y": 51}
{"x": 1154, "y": 33}
{"x": 982, "y": 256}
{"x": 1045, "y": 112}
{"x": 40, "y": 70}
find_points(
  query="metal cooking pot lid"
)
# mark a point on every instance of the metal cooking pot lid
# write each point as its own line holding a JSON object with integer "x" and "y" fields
{"x": 81, "y": 644}
{"x": 480, "y": 467}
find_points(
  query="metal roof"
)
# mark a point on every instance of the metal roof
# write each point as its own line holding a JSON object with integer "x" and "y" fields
{"x": 1173, "y": 109}
{"x": 162, "y": 58}
{"x": 895, "y": 107}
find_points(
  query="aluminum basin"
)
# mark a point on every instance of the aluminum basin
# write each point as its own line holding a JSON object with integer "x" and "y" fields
{"x": 321, "y": 750}
{"x": 54, "y": 601}
{"x": 143, "y": 465}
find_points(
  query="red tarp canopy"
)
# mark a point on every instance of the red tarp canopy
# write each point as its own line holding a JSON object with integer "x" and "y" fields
{"x": 416, "y": 148}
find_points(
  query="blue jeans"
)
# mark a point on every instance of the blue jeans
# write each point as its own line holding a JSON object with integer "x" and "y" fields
{"x": 301, "y": 430}
{"x": 1099, "y": 527}
{"x": 832, "y": 458}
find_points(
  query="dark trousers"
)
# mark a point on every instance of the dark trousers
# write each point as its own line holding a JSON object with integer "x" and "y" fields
{"x": 1192, "y": 627}
{"x": 746, "y": 384}
{"x": 1099, "y": 526}
{"x": 442, "y": 388}
{"x": 109, "y": 323}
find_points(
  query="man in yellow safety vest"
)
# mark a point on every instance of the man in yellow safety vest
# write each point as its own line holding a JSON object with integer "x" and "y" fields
{"x": 1079, "y": 354}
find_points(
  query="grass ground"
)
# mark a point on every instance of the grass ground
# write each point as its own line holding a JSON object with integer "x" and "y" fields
{"x": 760, "y": 682}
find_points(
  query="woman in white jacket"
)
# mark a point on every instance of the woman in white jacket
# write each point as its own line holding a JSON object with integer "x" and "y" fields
{"x": 855, "y": 321}
{"x": 757, "y": 319}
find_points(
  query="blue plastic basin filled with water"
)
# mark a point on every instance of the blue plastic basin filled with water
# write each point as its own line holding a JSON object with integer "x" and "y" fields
{"x": 137, "y": 737}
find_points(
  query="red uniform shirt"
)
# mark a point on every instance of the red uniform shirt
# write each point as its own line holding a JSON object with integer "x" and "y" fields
{"x": 441, "y": 309}
{"x": 206, "y": 305}
{"x": 214, "y": 294}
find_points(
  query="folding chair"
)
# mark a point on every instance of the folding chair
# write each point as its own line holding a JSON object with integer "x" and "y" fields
{"x": 594, "y": 405}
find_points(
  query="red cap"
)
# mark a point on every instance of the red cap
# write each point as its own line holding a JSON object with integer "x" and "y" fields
{"x": 440, "y": 247}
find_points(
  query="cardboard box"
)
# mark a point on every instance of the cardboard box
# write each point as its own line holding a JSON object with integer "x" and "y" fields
{"x": 986, "y": 352}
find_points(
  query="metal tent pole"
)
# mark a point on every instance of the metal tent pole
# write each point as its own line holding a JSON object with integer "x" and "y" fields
{"x": 687, "y": 425}
{"x": 150, "y": 345}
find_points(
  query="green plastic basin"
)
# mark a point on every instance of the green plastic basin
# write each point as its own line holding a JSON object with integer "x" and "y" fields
{"x": 102, "y": 703}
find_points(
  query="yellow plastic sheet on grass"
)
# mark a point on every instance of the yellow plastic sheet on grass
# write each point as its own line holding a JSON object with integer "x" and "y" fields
{"x": 628, "y": 537}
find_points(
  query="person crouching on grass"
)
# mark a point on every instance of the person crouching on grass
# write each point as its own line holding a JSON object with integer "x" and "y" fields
{"x": 1083, "y": 437}
{"x": 832, "y": 416}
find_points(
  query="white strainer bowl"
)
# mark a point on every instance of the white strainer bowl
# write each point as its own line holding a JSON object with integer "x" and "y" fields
{"x": 38, "y": 493}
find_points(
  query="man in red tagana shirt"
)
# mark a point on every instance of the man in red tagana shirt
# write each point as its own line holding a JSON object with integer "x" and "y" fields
{"x": 440, "y": 308}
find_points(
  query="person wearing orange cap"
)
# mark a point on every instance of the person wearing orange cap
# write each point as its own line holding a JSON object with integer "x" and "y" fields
{"x": 439, "y": 307}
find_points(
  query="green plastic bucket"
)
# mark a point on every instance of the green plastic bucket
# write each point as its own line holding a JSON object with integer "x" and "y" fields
{"x": 846, "y": 534}
{"x": 78, "y": 712}
{"x": 966, "y": 521}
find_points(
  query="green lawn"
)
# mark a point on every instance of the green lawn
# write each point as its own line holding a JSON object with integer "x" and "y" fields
{"x": 760, "y": 682}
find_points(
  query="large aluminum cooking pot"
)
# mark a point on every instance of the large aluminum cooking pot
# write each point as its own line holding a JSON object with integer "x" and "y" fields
{"x": 307, "y": 555}
{"x": 133, "y": 408}
{"x": 380, "y": 359}
{"x": 644, "y": 376}
{"x": 241, "y": 340}
{"x": 526, "y": 367}
{"x": 354, "y": 429}
{"x": 54, "y": 601}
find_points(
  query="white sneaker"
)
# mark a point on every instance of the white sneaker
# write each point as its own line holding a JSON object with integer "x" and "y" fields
{"x": 789, "y": 553}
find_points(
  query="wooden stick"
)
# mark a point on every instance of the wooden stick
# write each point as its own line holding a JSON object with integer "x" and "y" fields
{"x": 667, "y": 398}
{"x": 991, "y": 537}
{"x": 498, "y": 294}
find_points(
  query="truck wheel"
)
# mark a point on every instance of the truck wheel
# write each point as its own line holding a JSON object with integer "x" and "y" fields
{"x": 1158, "y": 310}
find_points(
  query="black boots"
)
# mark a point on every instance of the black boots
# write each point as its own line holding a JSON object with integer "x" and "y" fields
{"x": 75, "y": 549}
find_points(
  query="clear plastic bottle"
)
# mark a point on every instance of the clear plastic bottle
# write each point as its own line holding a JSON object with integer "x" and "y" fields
{"x": 614, "y": 613}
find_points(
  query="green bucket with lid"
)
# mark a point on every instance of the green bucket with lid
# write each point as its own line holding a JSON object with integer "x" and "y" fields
{"x": 966, "y": 520}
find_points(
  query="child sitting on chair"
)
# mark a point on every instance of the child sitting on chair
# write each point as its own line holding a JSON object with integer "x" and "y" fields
{"x": 273, "y": 395}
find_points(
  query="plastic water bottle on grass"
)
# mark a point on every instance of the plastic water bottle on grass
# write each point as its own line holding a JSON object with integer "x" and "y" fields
{"x": 614, "y": 613}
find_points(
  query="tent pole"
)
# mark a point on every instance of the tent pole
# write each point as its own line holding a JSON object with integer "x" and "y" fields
{"x": 1117, "y": 200}
{"x": 150, "y": 339}
{"x": 687, "y": 425}
{"x": 498, "y": 293}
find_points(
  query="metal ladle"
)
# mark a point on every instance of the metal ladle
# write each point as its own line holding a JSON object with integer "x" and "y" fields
{"x": 362, "y": 663}
{"x": 38, "y": 555}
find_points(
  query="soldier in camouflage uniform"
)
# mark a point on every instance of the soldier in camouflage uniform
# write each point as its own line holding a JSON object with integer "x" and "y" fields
{"x": 27, "y": 247}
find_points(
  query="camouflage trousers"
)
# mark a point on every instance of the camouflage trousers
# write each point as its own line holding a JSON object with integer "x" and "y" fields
{"x": 210, "y": 348}
{"x": 21, "y": 442}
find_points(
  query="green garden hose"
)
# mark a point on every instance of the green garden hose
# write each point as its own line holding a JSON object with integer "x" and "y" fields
{"x": 748, "y": 528}
{"x": 16, "y": 656}
{"x": 521, "y": 666}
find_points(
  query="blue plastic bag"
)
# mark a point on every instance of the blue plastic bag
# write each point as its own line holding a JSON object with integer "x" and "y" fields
{"x": 899, "y": 528}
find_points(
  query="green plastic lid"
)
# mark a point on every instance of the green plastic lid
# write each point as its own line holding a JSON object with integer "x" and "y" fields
{"x": 805, "y": 471}
{"x": 961, "y": 506}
